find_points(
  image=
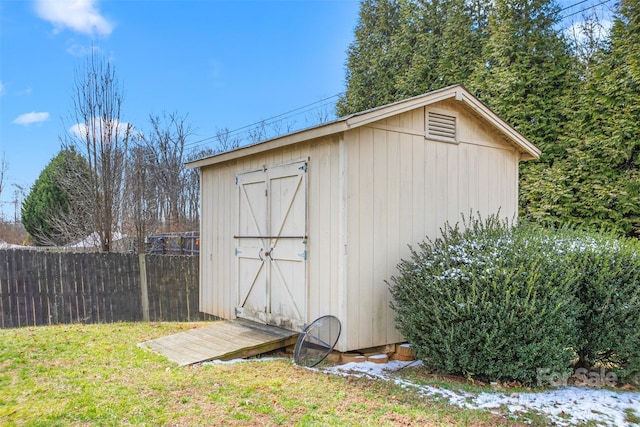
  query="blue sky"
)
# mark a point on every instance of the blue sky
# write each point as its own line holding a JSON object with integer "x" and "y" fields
{"x": 225, "y": 64}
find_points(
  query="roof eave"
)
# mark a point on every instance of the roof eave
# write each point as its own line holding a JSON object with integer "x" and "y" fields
{"x": 278, "y": 142}
{"x": 381, "y": 113}
{"x": 527, "y": 149}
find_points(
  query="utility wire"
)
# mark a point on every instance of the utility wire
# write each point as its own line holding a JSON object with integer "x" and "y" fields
{"x": 244, "y": 129}
{"x": 286, "y": 115}
{"x": 323, "y": 102}
{"x": 572, "y": 5}
{"x": 583, "y": 10}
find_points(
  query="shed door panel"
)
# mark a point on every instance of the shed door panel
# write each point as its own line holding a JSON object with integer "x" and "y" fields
{"x": 253, "y": 204}
{"x": 252, "y": 223}
{"x": 271, "y": 245}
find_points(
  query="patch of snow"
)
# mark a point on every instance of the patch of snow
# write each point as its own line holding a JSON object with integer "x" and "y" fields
{"x": 93, "y": 240}
{"x": 568, "y": 405}
{"x": 564, "y": 406}
{"x": 234, "y": 361}
{"x": 379, "y": 357}
{"x": 5, "y": 245}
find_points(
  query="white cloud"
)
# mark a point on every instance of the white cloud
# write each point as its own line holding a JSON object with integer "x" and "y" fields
{"x": 81, "y": 16}
{"x": 79, "y": 130}
{"x": 1, "y": 88}
{"x": 30, "y": 118}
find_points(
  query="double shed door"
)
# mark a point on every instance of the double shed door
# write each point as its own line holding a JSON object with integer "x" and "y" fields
{"x": 271, "y": 241}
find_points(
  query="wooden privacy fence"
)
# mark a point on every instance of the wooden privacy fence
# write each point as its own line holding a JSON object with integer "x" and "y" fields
{"x": 43, "y": 288}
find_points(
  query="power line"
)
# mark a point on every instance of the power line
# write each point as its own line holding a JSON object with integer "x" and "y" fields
{"x": 323, "y": 102}
{"x": 269, "y": 120}
{"x": 582, "y": 10}
{"x": 572, "y": 5}
{"x": 288, "y": 114}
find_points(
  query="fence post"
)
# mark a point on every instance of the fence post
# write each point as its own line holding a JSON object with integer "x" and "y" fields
{"x": 144, "y": 292}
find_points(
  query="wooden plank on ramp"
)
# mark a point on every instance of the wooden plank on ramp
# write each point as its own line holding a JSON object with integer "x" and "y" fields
{"x": 222, "y": 340}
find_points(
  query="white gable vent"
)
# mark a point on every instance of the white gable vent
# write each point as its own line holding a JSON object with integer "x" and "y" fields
{"x": 442, "y": 127}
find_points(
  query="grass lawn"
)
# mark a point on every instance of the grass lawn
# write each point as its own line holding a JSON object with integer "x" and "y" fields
{"x": 96, "y": 375}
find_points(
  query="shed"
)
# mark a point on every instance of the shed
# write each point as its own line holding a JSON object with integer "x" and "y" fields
{"x": 314, "y": 222}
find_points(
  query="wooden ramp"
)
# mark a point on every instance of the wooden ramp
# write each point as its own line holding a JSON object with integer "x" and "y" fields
{"x": 222, "y": 340}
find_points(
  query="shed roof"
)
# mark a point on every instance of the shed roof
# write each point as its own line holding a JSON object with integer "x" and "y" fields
{"x": 457, "y": 92}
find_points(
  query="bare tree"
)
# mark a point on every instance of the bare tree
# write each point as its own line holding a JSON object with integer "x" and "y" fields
{"x": 161, "y": 194}
{"x": 258, "y": 132}
{"x": 167, "y": 141}
{"x": 587, "y": 38}
{"x": 320, "y": 116}
{"x": 141, "y": 202}
{"x": 103, "y": 138}
{"x": 192, "y": 185}
{"x": 290, "y": 126}
{"x": 4, "y": 166}
{"x": 226, "y": 141}
{"x": 18, "y": 197}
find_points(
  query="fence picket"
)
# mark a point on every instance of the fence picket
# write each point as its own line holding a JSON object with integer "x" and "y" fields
{"x": 44, "y": 287}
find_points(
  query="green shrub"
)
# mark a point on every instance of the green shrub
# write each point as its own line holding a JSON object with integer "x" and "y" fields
{"x": 609, "y": 290}
{"x": 488, "y": 301}
{"x": 496, "y": 302}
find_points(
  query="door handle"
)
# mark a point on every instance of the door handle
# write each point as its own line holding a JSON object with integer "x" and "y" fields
{"x": 267, "y": 254}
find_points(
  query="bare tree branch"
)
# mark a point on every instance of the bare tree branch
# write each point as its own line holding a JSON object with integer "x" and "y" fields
{"x": 167, "y": 142}
{"x": 4, "y": 167}
{"x": 101, "y": 136}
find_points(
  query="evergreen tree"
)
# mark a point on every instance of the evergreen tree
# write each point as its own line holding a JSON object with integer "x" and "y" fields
{"x": 599, "y": 180}
{"x": 404, "y": 48}
{"x": 47, "y": 212}
{"x": 507, "y": 52}
{"x": 528, "y": 77}
{"x": 526, "y": 71}
{"x": 442, "y": 41}
{"x": 371, "y": 65}
{"x": 580, "y": 106}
